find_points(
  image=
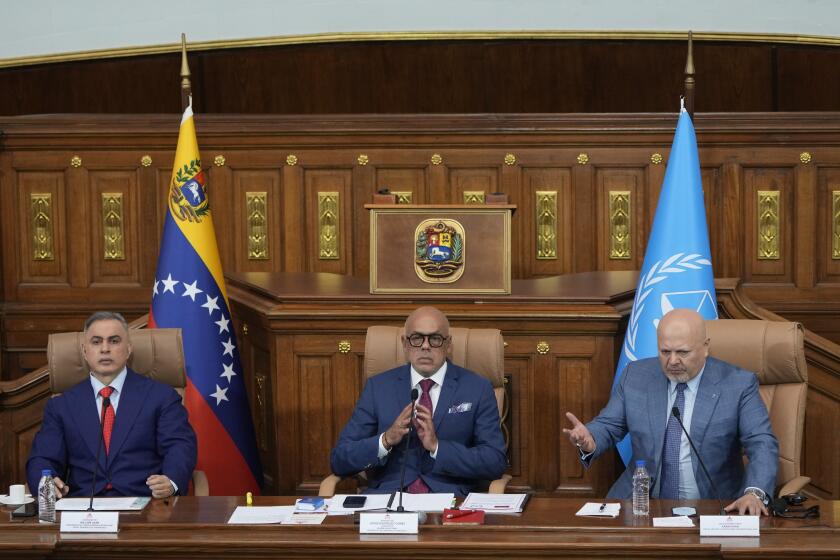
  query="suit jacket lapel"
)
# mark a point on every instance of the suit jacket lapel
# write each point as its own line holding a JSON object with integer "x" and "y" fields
{"x": 83, "y": 409}
{"x": 447, "y": 393}
{"x": 131, "y": 401}
{"x": 658, "y": 406}
{"x": 708, "y": 394}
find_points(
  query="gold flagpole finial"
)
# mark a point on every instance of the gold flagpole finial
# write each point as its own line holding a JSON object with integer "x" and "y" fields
{"x": 186, "y": 86}
{"x": 689, "y": 78}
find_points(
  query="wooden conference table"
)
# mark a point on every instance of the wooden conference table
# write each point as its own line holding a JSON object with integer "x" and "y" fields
{"x": 191, "y": 527}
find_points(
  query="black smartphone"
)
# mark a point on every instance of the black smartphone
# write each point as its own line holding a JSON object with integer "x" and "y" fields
{"x": 355, "y": 501}
{"x": 26, "y": 510}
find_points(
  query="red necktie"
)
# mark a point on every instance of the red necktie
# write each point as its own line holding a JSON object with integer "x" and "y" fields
{"x": 107, "y": 416}
{"x": 418, "y": 486}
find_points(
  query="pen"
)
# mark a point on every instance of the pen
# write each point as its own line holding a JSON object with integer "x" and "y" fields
{"x": 460, "y": 513}
{"x": 603, "y": 507}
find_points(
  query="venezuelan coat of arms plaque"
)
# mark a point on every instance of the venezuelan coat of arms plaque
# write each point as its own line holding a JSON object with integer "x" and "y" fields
{"x": 440, "y": 251}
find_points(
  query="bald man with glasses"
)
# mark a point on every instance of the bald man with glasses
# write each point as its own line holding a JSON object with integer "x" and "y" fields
{"x": 455, "y": 442}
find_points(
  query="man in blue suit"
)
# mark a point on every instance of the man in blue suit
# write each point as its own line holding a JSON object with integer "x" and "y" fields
{"x": 720, "y": 407}
{"x": 457, "y": 441}
{"x": 148, "y": 446}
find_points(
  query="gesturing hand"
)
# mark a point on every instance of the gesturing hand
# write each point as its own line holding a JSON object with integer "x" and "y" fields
{"x": 579, "y": 435}
{"x": 426, "y": 428}
{"x": 399, "y": 428}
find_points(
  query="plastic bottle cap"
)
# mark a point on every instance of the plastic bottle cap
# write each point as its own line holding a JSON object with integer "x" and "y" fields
{"x": 640, "y": 463}
{"x": 46, "y": 472}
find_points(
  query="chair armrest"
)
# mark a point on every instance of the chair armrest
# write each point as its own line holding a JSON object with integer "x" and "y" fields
{"x": 201, "y": 487}
{"x": 499, "y": 485}
{"x": 794, "y": 485}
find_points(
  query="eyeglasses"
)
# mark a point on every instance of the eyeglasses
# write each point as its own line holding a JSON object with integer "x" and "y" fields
{"x": 435, "y": 340}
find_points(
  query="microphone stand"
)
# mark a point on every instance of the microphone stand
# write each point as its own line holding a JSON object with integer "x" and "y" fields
{"x": 676, "y": 413}
{"x": 106, "y": 402}
{"x": 414, "y": 394}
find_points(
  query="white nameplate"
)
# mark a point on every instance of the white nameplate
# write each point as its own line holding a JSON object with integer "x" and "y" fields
{"x": 89, "y": 521}
{"x": 388, "y": 523}
{"x": 729, "y": 525}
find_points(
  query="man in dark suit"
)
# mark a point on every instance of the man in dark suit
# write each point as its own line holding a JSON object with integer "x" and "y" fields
{"x": 720, "y": 407}
{"x": 148, "y": 446}
{"x": 457, "y": 441}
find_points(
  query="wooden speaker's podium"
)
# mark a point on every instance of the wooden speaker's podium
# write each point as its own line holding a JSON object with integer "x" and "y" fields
{"x": 454, "y": 249}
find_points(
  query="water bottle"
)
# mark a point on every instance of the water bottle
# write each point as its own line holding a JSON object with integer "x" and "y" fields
{"x": 641, "y": 490}
{"x": 46, "y": 497}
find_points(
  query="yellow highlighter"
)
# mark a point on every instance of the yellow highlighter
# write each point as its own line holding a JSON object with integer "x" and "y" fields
{"x": 249, "y": 499}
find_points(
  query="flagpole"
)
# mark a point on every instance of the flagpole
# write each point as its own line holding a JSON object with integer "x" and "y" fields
{"x": 186, "y": 85}
{"x": 689, "y": 78}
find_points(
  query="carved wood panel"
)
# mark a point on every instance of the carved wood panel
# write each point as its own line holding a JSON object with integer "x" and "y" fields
{"x": 620, "y": 217}
{"x": 546, "y": 214}
{"x": 42, "y": 235}
{"x": 257, "y": 241}
{"x": 114, "y": 240}
{"x": 328, "y": 219}
{"x": 767, "y": 227}
{"x": 828, "y": 225}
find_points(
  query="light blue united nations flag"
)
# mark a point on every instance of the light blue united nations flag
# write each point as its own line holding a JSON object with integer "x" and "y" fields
{"x": 677, "y": 271}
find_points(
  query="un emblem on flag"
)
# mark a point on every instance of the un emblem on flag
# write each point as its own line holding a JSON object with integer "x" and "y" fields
{"x": 439, "y": 251}
{"x": 187, "y": 195}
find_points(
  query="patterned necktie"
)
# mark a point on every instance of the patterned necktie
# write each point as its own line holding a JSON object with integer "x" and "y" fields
{"x": 669, "y": 489}
{"x": 107, "y": 416}
{"x": 418, "y": 486}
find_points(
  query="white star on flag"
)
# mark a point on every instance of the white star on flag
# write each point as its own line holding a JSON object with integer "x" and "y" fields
{"x": 228, "y": 347}
{"x": 228, "y": 373}
{"x": 211, "y": 304}
{"x": 220, "y": 394}
{"x": 192, "y": 290}
{"x": 169, "y": 284}
{"x": 154, "y": 290}
{"x": 223, "y": 324}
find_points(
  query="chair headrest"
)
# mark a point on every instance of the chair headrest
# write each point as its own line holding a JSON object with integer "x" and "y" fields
{"x": 156, "y": 353}
{"x": 775, "y": 350}
{"x": 478, "y": 350}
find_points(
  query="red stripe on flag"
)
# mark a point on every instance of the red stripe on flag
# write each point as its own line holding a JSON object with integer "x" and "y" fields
{"x": 227, "y": 471}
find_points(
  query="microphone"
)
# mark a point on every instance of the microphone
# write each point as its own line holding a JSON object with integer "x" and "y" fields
{"x": 106, "y": 402}
{"x": 676, "y": 413}
{"x": 414, "y": 394}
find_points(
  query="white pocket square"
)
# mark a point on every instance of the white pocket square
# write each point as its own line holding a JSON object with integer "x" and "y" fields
{"x": 463, "y": 407}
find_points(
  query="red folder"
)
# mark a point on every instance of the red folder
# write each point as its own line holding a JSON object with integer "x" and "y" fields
{"x": 463, "y": 517}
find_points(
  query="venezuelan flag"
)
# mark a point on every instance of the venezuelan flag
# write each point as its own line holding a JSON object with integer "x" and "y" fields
{"x": 189, "y": 293}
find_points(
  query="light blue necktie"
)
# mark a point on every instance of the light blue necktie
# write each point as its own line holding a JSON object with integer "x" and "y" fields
{"x": 669, "y": 489}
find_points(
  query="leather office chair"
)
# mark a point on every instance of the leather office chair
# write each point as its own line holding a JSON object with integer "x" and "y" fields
{"x": 775, "y": 351}
{"x": 479, "y": 350}
{"x": 156, "y": 353}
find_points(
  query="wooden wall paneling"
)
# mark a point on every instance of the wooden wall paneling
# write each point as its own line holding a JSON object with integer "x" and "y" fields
{"x": 245, "y": 180}
{"x": 585, "y": 214}
{"x": 630, "y": 180}
{"x": 123, "y": 221}
{"x": 511, "y": 185}
{"x": 543, "y": 427}
{"x": 337, "y": 180}
{"x": 293, "y": 219}
{"x": 151, "y": 203}
{"x": 522, "y": 450}
{"x": 471, "y": 179}
{"x": 54, "y": 270}
{"x": 362, "y": 190}
{"x": 224, "y": 207}
{"x": 285, "y": 369}
{"x": 713, "y": 203}
{"x": 573, "y": 396}
{"x": 803, "y": 225}
{"x": 779, "y": 179}
{"x": 828, "y": 267}
{"x": 406, "y": 177}
{"x": 549, "y": 179}
{"x": 732, "y": 260}
{"x": 821, "y": 454}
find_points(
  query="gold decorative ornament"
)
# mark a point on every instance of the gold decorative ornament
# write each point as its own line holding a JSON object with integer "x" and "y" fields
{"x": 769, "y": 238}
{"x": 543, "y": 347}
{"x": 42, "y": 226}
{"x": 510, "y": 159}
{"x": 805, "y": 157}
{"x": 257, "y": 225}
{"x": 75, "y": 161}
{"x": 291, "y": 160}
{"x": 344, "y": 346}
{"x": 546, "y": 208}
{"x": 403, "y": 197}
{"x": 505, "y": 344}
{"x": 620, "y": 225}
{"x": 835, "y": 225}
{"x": 436, "y": 159}
{"x": 473, "y": 197}
{"x": 112, "y": 227}
{"x": 583, "y": 158}
{"x": 219, "y": 160}
{"x": 244, "y": 329}
{"x": 656, "y": 158}
{"x": 328, "y": 224}
{"x": 362, "y": 159}
{"x": 146, "y": 160}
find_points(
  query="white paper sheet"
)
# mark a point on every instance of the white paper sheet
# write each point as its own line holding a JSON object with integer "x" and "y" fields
{"x": 304, "y": 519}
{"x": 675, "y": 521}
{"x": 599, "y": 509}
{"x": 429, "y": 503}
{"x": 102, "y": 504}
{"x": 260, "y": 515}
{"x": 495, "y": 503}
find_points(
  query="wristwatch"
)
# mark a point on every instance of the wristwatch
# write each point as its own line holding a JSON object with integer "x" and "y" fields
{"x": 758, "y": 493}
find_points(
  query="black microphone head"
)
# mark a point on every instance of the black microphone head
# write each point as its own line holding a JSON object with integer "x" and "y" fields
{"x": 414, "y": 394}
{"x": 675, "y": 411}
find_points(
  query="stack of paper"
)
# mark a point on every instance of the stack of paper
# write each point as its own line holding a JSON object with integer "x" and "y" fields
{"x": 599, "y": 509}
{"x": 260, "y": 515}
{"x": 495, "y": 503}
{"x": 102, "y": 504}
{"x": 676, "y": 521}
